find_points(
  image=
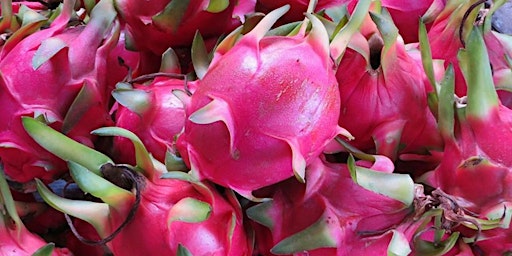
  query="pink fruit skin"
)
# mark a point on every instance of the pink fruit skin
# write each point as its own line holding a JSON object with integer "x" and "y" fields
{"x": 150, "y": 234}
{"x": 49, "y": 91}
{"x": 157, "y": 125}
{"x": 378, "y": 102}
{"x": 148, "y": 36}
{"x": 477, "y": 154}
{"x": 331, "y": 190}
{"x": 297, "y": 7}
{"x": 279, "y": 99}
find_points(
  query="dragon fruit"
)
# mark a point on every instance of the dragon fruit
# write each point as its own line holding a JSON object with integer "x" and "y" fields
{"x": 153, "y": 113}
{"x": 378, "y": 77}
{"x": 56, "y": 74}
{"x": 156, "y": 25}
{"x": 325, "y": 217}
{"x": 475, "y": 132}
{"x": 185, "y": 215}
{"x": 263, "y": 109}
{"x": 15, "y": 239}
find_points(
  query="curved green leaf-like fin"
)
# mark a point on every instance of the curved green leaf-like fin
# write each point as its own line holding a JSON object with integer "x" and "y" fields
{"x": 393, "y": 185}
{"x": 99, "y": 187}
{"x": 142, "y": 157}
{"x": 200, "y": 59}
{"x": 189, "y": 210}
{"x": 215, "y": 6}
{"x": 46, "y": 250}
{"x": 318, "y": 235}
{"x": 474, "y": 62}
{"x": 96, "y": 214}
{"x": 340, "y": 42}
{"x": 63, "y": 146}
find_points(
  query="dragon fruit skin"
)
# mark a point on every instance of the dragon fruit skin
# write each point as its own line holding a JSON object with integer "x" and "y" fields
{"x": 390, "y": 96}
{"x": 476, "y": 146}
{"x": 159, "y": 24}
{"x": 292, "y": 113}
{"x": 156, "y": 124}
{"x": 297, "y": 8}
{"x": 182, "y": 211}
{"x": 75, "y": 100}
{"x": 329, "y": 206}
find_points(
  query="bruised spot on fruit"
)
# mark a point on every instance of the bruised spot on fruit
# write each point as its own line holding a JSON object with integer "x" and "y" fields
{"x": 471, "y": 162}
{"x": 376, "y": 44}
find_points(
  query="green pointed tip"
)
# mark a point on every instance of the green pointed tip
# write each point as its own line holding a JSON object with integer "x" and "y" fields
{"x": 482, "y": 98}
{"x": 261, "y": 213}
{"x": 318, "y": 235}
{"x": 96, "y": 214}
{"x": 30, "y": 16}
{"x": 48, "y": 48}
{"x": 340, "y": 42}
{"x": 426, "y": 56}
{"x": 7, "y": 204}
{"x": 174, "y": 163}
{"x": 142, "y": 157}
{"x": 170, "y": 62}
{"x": 446, "y": 110}
{"x": 138, "y": 101}
{"x": 46, "y": 250}
{"x": 97, "y": 186}
{"x": 393, "y": 185}
{"x": 200, "y": 59}
{"x": 189, "y": 210}
{"x": 216, "y": 6}
{"x": 171, "y": 17}
{"x": 63, "y": 146}
{"x": 399, "y": 245}
{"x": 389, "y": 33}
{"x": 87, "y": 97}
{"x": 183, "y": 251}
{"x": 422, "y": 247}
{"x": 267, "y": 22}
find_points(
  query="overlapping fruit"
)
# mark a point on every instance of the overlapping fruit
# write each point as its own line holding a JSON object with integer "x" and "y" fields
{"x": 351, "y": 127}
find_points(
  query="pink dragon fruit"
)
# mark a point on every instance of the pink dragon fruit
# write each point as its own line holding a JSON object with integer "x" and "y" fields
{"x": 378, "y": 77}
{"x": 157, "y": 25}
{"x": 476, "y": 156}
{"x": 15, "y": 239}
{"x": 264, "y": 108}
{"x": 153, "y": 113}
{"x": 339, "y": 212}
{"x": 184, "y": 215}
{"x": 56, "y": 74}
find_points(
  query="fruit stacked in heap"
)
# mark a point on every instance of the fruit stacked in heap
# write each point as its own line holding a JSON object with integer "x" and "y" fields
{"x": 255, "y": 128}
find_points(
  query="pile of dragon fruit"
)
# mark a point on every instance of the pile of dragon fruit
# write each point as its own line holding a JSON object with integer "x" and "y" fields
{"x": 254, "y": 128}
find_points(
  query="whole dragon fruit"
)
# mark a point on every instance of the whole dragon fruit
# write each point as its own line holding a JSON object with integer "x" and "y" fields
{"x": 184, "y": 215}
{"x": 153, "y": 113}
{"x": 264, "y": 108}
{"x": 341, "y": 210}
{"x": 15, "y": 239}
{"x": 383, "y": 101}
{"x": 476, "y": 130}
{"x": 56, "y": 74}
